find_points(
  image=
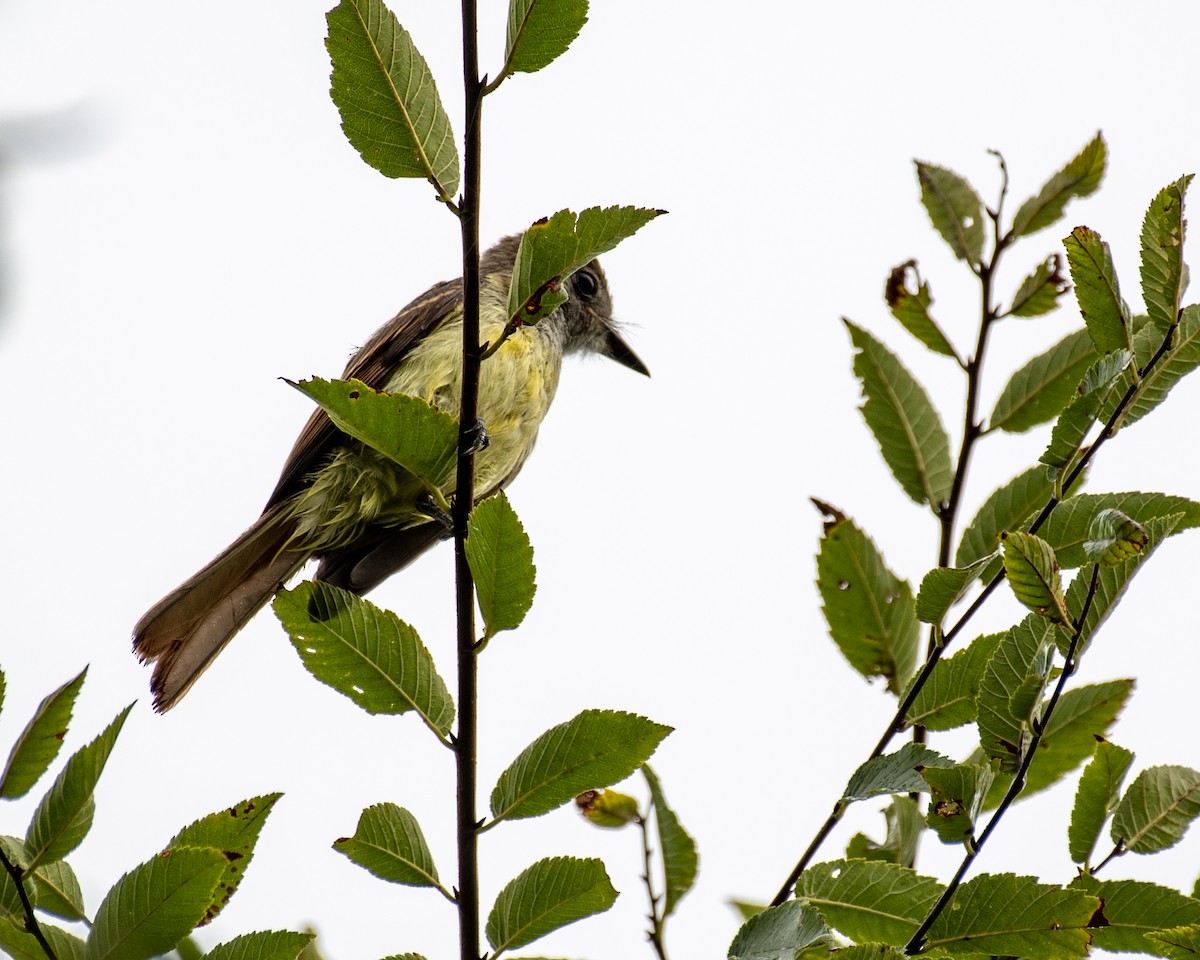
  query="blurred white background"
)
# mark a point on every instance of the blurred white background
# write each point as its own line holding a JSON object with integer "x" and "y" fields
{"x": 184, "y": 224}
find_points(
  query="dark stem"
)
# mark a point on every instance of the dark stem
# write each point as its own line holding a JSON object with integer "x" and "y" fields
{"x": 826, "y": 828}
{"x": 1018, "y": 784}
{"x": 467, "y": 895}
{"x": 1117, "y": 851}
{"x": 655, "y": 933}
{"x": 31, "y": 923}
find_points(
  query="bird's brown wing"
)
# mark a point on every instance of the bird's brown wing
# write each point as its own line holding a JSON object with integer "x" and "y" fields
{"x": 373, "y": 364}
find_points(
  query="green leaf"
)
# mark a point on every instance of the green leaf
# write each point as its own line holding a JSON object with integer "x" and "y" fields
{"x": 263, "y": 945}
{"x": 870, "y": 951}
{"x": 10, "y": 897}
{"x": 943, "y": 587}
{"x": 595, "y": 749}
{"x": 1157, "y": 809}
{"x": 956, "y": 797}
{"x": 233, "y": 831}
{"x": 1182, "y": 358}
{"x": 540, "y": 31}
{"x": 413, "y": 433}
{"x": 1163, "y": 270}
{"x": 1079, "y": 178}
{"x": 555, "y": 247}
{"x": 364, "y": 652}
{"x": 1104, "y": 311}
{"x": 65, "y": 813}
{"x": 954, "y": 208}
{"x": 19, "y": 945}
{"x": 1009, "y": 915}
{"x": 1067, "y": 527}
{"x": 894, "y": 772}
{"x": 905, "y": 824}
{"x": 1022, "y": 653}
{"x": 387, "y": 97}
{"x": 1101, "y": 383}
{"x": 784, "y": 932}
{"x": 911, "y": 308}
{"x": 1133, "y": 909}
{"x": 1082, "y": 715}
{"x": 389, "y": 843}
{"x": 870, "y": 611}
{"x": 1096, "y": 798}
{"x": 1178, "y": 942}
{"x": 680, "y": 861}
{"x": 545, "y": 896}
{"x": 1006, "y": 509}
{"x": 1039, "y": 292}
{"x": 58, "y": 892}
{"x": 501, "y": 560}
{"x": 869, "y": 900}
{"x": 948, "y": 698}
{"x": 1114, "y": 538}
{"x": 1040, "y": 390}
{"x": 41, "y": 740}
{"x": 1033, "y": 574}
{"x": 904, "y": 421}
{"x": 156, "y": 904}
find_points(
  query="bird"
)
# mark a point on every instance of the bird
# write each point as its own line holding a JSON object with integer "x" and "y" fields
{"x": 360, "y": 514}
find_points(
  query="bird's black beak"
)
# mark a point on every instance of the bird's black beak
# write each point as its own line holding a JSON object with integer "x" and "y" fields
{"x": 619, "y": 350}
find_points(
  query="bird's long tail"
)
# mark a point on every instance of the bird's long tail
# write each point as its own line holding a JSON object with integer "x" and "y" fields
{"x": 185, "y": 631}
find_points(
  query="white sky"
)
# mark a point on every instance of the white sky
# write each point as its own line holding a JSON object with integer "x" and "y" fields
{"x": 214, "y": 232}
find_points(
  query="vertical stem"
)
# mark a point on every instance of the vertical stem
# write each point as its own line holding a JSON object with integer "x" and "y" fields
{"x": 465, "y": 741}
{"x": 655, "y": 933}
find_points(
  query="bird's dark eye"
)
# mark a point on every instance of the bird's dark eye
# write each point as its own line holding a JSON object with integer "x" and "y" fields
{"x": 586, "y": 284}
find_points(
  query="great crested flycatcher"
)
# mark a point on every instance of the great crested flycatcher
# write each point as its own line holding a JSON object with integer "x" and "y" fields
{"x": 364, "y": 516}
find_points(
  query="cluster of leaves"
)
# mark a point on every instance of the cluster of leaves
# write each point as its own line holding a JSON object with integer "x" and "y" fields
{"x": 1032, "y": 729}
{"x": 152, "y": 907}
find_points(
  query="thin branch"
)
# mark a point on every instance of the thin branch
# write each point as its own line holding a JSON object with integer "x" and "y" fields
{"x": 32, "y": 926}
{"x": 655, "y": 933}
{"x": 1117, "y": 851}
{"x": 1018, "y": 784}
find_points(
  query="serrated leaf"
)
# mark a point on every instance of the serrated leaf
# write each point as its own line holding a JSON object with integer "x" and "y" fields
{"x": 1179, "y": 943}
{"x": 911, "y": 308}
{"x": 1033, "y": 574}
{"x": 1040, "y": 390}
{"x": 545, "y": 896}
{"x": 154, "y": 905}
{"x": 948, "y": 698}
{"x": 10, "y": 897}
{"x": 1079, "y": 178}
{"x": 1066, "y": 529}
{"x": 365, "y": 653}
{"x": 555, "y": 247}
{"x": 784, "y": 932}
{"x": 1163, "y": 269}
{"x": 413, "y": 433}
{"x": 869, "y": 900}
{"x": 1104, "y": 311}
{"x": 595, "y": 749}
{"x": 1005, "y": 509}
{"x": 894, "y": 772}
{"x": 263, "y": 945}
{"x": 943, "y": 587}
{"x": 956, "y": 797}
{"x": 1039, "y": 292}
{"x": 233, "y": 831}
{"x": 1009, "y": 915}
{"x": 1157, "y": 809}
{"x": 540, "y": 31}
{"x": 389, "y": 843}
{"x": 387, "y": 97}
{"x": 954, "y": 208}
{"x": 58, "y": 892}
{"x": 905, "y": 824}
{"x": 870, "y": 611}
{"x": 1083, "y": 713}
{"x": 1096, "y": 798}
{"x": 1181, "y": 359}
{"x": 501, "y": 560}
{"x": 1133, "y": 909}
{"x": 64, "y": 816}
{"x": 1022, "y": 652}
{"x": 19, "y": 945}
{"x": 870, "y": 951}
{"x": 905, "y": 423}
{"x": 1100, "y": 384}
{"x": 1113, "y": 537}
{"x": 41, "y": 740}
{"x": 680, "y": 861}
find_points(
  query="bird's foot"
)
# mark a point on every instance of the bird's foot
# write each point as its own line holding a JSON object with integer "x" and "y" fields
{"x": 475, "y": 439}
{"x": 432, "y": 509}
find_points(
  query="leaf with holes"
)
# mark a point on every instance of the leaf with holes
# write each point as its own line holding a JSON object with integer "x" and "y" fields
{"x": 954, "y": 208}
